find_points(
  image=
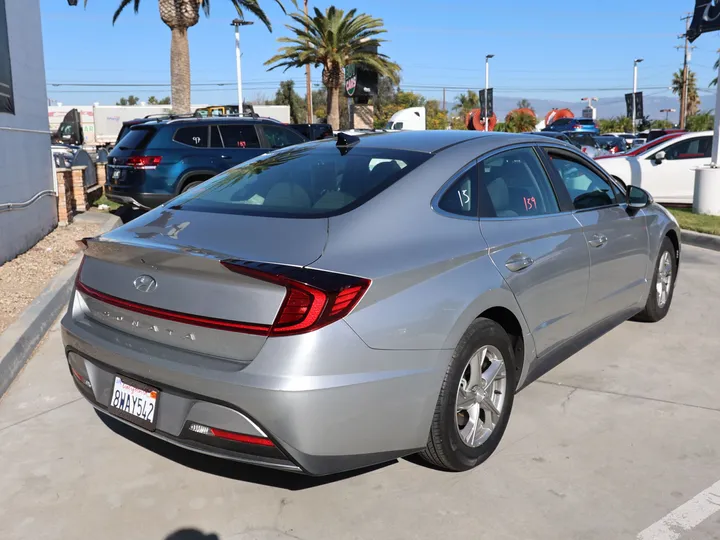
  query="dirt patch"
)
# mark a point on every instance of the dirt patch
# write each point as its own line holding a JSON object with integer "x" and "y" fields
{"x": 24, "y": 277}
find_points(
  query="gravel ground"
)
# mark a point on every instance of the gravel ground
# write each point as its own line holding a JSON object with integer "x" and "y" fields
{"x": 24, "y": 277}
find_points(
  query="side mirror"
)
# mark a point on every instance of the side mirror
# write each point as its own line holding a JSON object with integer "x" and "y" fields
{"x": 660, "y": 157}
{"x": 638, "y": 198}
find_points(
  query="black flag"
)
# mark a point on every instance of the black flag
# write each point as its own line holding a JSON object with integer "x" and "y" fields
{"x": 7, "y": 104}
{"x": 486, "y": 113}
{"x": 706, "y": 18}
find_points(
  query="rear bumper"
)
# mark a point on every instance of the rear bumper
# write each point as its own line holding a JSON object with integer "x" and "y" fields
{"x": 327, "y": 401}
{"x": 141, "y": 200}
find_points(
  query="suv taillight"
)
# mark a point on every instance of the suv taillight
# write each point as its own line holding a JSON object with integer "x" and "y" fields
{"x": 314, "y": 298}
{"x": 143, "y": 162}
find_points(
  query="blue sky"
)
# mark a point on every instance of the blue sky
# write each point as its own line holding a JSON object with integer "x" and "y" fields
{"x": 559, "y": 49}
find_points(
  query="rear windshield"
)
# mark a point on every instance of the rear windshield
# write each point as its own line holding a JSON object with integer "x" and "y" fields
{"x": 314, "y": 180}
{"x": 586, "y": 121}
{"x": 137, "y": 138}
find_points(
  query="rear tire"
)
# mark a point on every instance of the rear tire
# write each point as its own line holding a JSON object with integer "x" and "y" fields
{"x": 464, "y": 433}
{"x": 191, "y": 185}
{"x": 662, "y": 285}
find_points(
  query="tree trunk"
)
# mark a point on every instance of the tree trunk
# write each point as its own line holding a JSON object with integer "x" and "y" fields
{"x": 333, "y": 107}
{"x": 180, "y": 70}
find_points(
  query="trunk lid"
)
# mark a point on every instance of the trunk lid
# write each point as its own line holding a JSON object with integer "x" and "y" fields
{"x": 159, "y": 277}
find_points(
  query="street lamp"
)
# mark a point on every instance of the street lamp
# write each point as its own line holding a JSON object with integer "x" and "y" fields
{"x": 237, "y": 23}
{"x": 487, "y": 84}
{"x": 635, "y": 65}
{"x": 667, "y": 113}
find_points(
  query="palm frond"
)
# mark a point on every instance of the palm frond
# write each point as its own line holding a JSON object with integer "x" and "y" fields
{"x": 123, "y": 5}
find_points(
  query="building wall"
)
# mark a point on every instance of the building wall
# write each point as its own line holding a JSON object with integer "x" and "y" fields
{"x": 25, "y": 159}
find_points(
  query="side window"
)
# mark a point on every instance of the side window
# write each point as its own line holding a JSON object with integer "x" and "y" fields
{"x": 515, "y": 184}
{"x": 192, "y": 136}
{"x": 587, "y": 189}
{"x": 280, "y": 137}
{"x": 698, "y": 147}
{"x": 461, "y": 199}
{"x": 239, "y": 136}
{"x": 215, "y": 139}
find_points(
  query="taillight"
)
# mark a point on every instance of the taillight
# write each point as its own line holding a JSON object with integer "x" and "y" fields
{"x": 314, "y": 298}
{"x": 229, "y": 435}
{"x": 143, "y": 162}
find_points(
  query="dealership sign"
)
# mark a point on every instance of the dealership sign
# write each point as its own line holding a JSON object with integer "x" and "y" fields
{"x": 350, "y": 80}
{"x": 706, "y": 18}
{"x": 7, "y": 104}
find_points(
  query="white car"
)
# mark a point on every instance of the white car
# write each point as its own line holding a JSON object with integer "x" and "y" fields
{"x": 666, "y": 170}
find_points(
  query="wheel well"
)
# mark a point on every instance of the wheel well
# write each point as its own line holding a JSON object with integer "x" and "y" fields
{"x": 199, "y": 177}
{"x": 672, "y": 235}
{"x": 505, "y": 318}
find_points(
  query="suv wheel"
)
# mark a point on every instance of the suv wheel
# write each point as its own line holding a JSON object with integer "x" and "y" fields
{"x": 475, "y": 400}
{"x": 191, "y": 185}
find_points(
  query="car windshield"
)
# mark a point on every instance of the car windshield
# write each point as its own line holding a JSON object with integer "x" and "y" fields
{"x": 586, "y": 121}
{"x": 306, "y": 181}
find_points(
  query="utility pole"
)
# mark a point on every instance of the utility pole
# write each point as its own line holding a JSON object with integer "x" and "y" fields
{"x": 684, "y": 90}
{"x": 443, "y": 107}
{"x": 308, "y": 85}
{"x": 487, "y": 83}
{"x": 237, "y": 23}
{"x": 635, "y": 69}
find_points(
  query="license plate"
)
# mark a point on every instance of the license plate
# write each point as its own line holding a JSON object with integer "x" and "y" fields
{"x": 134, "y": 401}
{"x": 116, "y": 174}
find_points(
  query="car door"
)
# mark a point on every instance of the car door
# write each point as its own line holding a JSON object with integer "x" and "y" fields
{"x": 537, "y": 245}
{"x": 617, "y": 237}
{"x": 238, "y": 142}
{"x": 672, "y": 179}
{"x": 280, "y": 136}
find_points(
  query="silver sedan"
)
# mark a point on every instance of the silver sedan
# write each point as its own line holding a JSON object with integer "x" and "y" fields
{"x": 342, "y": 303}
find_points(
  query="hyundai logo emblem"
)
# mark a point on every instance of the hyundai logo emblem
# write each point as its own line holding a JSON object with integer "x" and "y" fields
{"x": 145, "y": 283}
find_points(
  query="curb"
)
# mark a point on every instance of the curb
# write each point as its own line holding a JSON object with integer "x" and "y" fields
{"x": 18, "y": 341}
{"x": 707, "y": 241}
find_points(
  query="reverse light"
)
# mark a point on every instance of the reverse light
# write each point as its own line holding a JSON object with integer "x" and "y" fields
{"x": 229, "y": 435}
{"x": 144, "y": 162}
{"x": 314, "y": 298}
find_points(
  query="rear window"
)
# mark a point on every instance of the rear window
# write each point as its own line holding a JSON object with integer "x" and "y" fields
{"x": 586, "y": 121}
{"x": 562, "y": 121}
{"x": 136, "y": 138}
{"x": 308, "y": 181}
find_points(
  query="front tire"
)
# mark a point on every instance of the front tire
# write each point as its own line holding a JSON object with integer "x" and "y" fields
{"x": 662, "y": 285}
{"x": 475, "y": 400}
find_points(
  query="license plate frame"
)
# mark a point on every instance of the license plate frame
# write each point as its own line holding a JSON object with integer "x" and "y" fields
{"x": 116, "y": 174}
{"x": 137, "y": 388}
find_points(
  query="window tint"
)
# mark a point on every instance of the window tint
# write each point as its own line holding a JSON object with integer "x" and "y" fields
{"x": 239, "y": 136}
{"x": 303, "y": 181}
{"x": 461, "y": 198}
{"x": 215, "y": 139}
{"x": 193, "y": 136}
{"x": 587, "y": 189}
{"x": 280, "y": 137}
{"x": 136, "y": 138}
{"x": 699, "y": 147}
{"x": 515, "y": 184}
{"x": 562, "y": 121}
{"x": 586, "y": 121}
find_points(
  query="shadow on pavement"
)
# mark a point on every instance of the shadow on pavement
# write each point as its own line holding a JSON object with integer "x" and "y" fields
{"x": 127, "y": 213}
{"x": 226, "y": 468}
{"x": 191, "y": 534}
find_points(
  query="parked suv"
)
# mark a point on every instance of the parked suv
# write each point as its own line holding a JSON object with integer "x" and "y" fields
{"x": 587, "y": 125}
{"x": 156, "y": 161}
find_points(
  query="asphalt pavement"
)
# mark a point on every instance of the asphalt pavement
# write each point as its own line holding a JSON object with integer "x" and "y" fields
{"x": 620, "y": 441}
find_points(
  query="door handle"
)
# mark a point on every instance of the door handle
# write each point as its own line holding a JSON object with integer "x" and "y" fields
{"x": 598, "y": 240}
{"x": 518, "y": 262}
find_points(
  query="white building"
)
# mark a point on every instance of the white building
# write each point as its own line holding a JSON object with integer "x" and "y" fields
{"x": 25, "y": 161}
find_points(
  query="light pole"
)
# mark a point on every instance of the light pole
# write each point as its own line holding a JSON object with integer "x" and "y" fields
{"x": 635, "y": 65}
{"x": 667, "y": 113}
{"x": 487, "y": 84}
{"x": 237, "y": 23}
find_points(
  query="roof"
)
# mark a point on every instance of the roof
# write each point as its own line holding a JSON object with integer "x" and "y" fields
{"x": 432, "y": 141}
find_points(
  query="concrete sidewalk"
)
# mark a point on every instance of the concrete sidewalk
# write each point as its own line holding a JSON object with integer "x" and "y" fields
{"x": 600, "y": 448}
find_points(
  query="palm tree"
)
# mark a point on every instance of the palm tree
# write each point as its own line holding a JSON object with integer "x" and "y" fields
{"x": 693, "y": 100}
{"x": 333, "y": 40}
{"x": 525, "y": 104}
{"x": 180, "y": 15}
{"x": 520, "y": 122}
{"x": 467, "y": 102}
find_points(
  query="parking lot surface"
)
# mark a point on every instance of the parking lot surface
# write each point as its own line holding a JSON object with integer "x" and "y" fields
{"x": 605, "y": 446}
